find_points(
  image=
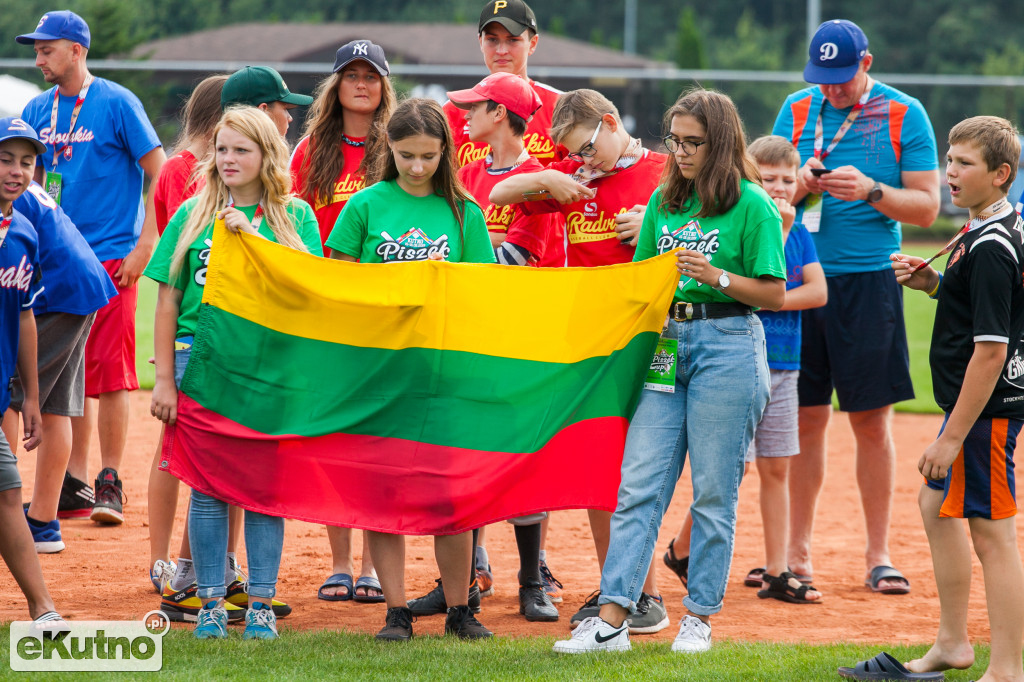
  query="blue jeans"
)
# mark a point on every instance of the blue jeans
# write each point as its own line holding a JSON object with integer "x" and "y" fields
{"x": 208, "y": 534}
{"x": 722, "y": 388}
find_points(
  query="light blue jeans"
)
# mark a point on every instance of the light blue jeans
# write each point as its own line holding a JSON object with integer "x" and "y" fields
{"x": 208, "y": 534}
{"x": 722, "y": 388}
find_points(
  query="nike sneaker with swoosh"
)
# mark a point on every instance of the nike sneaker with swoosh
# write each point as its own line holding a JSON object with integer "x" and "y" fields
{"x": 594, "y": 634}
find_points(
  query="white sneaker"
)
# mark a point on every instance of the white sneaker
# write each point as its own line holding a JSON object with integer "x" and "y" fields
{"x": 593, "y": 634}
{"x": 694, "y": 636}
{"x": 161, "y": 574}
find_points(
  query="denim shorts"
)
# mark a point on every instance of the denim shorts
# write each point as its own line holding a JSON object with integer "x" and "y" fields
{"x": 181, "y": 356}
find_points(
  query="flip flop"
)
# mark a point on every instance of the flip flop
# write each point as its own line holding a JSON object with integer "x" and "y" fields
{"x": 885, "y": 667}
{"x": 336, "y": 580}
{"x": 754, "y": 578}
{"x": 880, "y": 573}
{"x": 368, "y": 582}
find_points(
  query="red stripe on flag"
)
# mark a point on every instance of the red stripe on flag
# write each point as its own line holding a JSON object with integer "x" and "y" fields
{"x": 389, "y": 484}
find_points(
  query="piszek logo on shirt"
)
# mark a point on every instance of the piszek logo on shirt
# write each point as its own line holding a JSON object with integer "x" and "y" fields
{"x": 413, "y": 245}
{"x": 689, "y": 236}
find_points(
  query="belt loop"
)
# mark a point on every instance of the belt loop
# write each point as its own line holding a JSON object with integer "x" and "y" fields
{"x": 689, "y": 311}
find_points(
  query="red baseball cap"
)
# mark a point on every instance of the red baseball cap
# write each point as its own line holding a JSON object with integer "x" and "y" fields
{"x": 504, "y": 88}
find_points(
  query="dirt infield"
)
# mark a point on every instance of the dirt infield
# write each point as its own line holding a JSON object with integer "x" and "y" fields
{"x": 103, "y": 572}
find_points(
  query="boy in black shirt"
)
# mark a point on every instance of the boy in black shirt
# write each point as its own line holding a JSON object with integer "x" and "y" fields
{"x": 978, "y": 377}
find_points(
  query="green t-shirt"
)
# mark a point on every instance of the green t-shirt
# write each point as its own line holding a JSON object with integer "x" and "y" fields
{"x": 385, "y": 224}
{"x": 192, "y": 277}
{"x": 745, "y": 240}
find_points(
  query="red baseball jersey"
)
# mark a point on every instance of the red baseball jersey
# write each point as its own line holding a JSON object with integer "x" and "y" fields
{"x": 590, "y": 223}
{"x": 349, "y": 181}
{"x": 542, "y": 234}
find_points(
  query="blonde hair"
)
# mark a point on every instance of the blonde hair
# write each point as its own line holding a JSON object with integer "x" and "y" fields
{"x": 774, "y": 150}
{"x": 995, "y": 138}
{"x": 579, "y": 108}
{"x": 274, "y": 176}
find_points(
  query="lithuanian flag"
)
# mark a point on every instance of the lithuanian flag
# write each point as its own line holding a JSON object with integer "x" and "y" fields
{"x": 417, "y": 398}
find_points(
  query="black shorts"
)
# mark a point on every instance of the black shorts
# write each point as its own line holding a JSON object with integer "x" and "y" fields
{"x": 856, "y": 344}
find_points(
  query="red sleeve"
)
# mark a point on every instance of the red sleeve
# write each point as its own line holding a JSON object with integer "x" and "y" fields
{"x": 295, "y": 166}
{"x": 171, "y": 188}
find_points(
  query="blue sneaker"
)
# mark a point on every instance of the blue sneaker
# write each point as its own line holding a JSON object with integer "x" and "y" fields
{"x": 260, "y": 622}
{"x": 45, "y": 535}
{"x": 212, "y": 622}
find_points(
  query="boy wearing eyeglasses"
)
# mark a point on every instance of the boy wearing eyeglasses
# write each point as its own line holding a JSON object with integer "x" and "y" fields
{"x": 602, "y": 187}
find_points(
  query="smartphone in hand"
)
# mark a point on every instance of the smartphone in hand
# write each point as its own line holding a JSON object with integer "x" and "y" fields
{"x": 820, "y": 171}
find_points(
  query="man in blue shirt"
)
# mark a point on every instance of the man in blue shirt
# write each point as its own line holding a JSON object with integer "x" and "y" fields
{"x": 100, "y": 145}
{"x": 869, "y": 162}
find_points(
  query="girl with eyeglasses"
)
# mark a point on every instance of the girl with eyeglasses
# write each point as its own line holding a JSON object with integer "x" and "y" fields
{"x": 601, "y": 226}
{"x": 711, "y": 210}
{"x": 602, "y": 188}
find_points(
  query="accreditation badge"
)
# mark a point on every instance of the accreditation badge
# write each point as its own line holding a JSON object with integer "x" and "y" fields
{"x": 662, "y": 374}
{"x": 811, "y": 218}
{"x": 53, "y": 185}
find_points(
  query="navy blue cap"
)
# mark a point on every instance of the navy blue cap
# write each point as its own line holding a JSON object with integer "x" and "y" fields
{"x": 13, "y": 128}
{"x": 837, "y": 48}
{"x": 57, "y": 25}
{"x": 369, "y": 52}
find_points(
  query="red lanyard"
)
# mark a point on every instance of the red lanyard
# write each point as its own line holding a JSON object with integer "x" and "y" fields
{"x": 819, "y": 132}
{"x": 257, "y": 217}
{"x": 65, "y": 149}
{"x": 989, "y": 212}
{"x": 5, "y": 225}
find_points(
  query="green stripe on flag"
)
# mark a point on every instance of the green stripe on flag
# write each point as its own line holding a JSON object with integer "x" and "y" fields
{"x": 281, "y": 385}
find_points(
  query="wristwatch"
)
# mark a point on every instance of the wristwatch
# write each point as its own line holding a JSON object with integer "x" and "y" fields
{"x": 723, "y": 281}
{"x": 875, "y": 194}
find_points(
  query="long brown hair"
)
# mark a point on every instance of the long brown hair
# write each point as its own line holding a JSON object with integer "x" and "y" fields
{"x": 201, "y": 112}
{"x": 417, "y": 116}
{"x": 726, "y": 162}
{"x": 324, "y": 161}
{"x": 277, "y": 184}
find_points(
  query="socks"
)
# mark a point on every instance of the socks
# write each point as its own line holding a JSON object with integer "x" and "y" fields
{"x": 482, "y": 560}
{"x": 184, "y": 576}
{"x": 543, "y": 555}
{"x": 528, "y": 543}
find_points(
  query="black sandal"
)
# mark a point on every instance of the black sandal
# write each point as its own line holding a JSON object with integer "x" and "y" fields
{"x": 781, "y": 587}
{"x": 681, "y": 567}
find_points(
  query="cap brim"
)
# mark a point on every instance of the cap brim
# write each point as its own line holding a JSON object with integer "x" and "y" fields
{"x": 39, "y": 146}
{"x": 830, "y": 76}
{"x": 295, "y": 98}
{"x": 513, "y": 26}
{"x": 381, "y": 71}
{"x": 30, "y": 38}
{"x": 464, "y": 99}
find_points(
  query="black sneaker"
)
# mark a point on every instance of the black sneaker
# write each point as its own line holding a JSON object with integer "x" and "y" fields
{"x": 590, "y": 608}
{"x": 536, "y": 605}
{"x": 460, "y": 621}
{"x": 109, "y": 498}
{"x": 433, "y": 603}
{"x": 76, "y": 499}
{"x": 397, "y": 625}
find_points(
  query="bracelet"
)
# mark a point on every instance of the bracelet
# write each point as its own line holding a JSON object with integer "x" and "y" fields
{"x": 934, "y": 293}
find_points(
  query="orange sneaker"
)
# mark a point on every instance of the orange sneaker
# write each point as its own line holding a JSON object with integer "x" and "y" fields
{"x": 485, "y": 580}
{"x": 552, "y": 587}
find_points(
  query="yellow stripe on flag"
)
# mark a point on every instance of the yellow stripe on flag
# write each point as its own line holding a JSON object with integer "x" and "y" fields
{"x": 548, "y": 315}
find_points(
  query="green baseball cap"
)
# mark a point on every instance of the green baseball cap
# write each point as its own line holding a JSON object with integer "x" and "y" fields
{"x": 256, "y": 85}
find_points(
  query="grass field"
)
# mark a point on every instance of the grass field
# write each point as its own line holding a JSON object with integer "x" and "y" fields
{"x": 338, "y": 655}
{"x": 919, "y": 313}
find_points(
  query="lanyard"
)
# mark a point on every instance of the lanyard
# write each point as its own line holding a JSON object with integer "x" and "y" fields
{"x": 819, "y": 132}
{"x": 5, "y": 225}
{"x": 257, "y": 217}
{"x": 998, "y": 207}
{"x": 66, "y": 148}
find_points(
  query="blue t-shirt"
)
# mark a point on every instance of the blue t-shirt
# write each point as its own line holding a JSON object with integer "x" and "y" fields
{"x": 891, "y": 135}
{"x": 74, "y": 278}
{"x": 102, "y": 181}
{"x": 782, "y": 329}
{"x": 19, "y": 285}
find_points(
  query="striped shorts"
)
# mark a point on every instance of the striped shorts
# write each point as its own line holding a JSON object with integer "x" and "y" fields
{"x": 980, "y": 483}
